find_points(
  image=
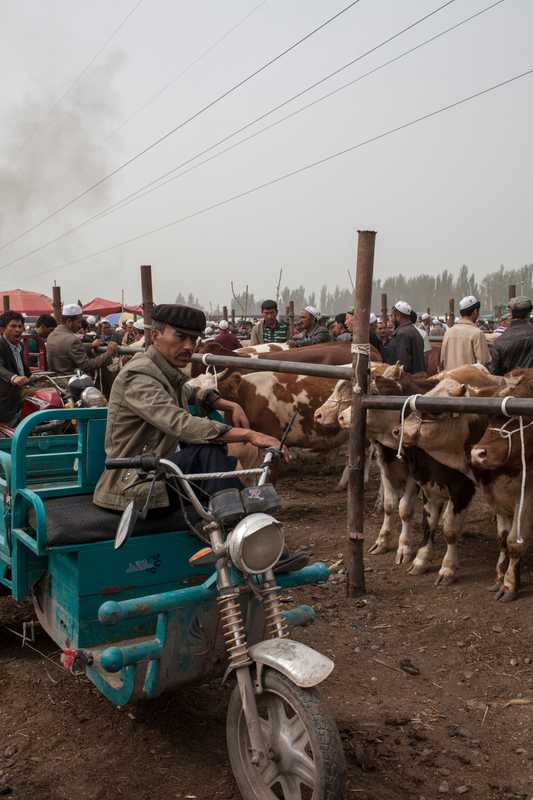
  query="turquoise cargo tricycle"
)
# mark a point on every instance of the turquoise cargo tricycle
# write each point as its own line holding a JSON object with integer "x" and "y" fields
{"x": 144, "y": 605}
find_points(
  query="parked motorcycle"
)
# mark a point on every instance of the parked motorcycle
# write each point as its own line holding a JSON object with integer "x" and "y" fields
{"x": 64, "y": 391}
{"x": 281, "y": 743}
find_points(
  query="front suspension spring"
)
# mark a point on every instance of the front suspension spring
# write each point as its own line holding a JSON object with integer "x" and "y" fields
{"x": 233, "y": 629}
{"x": 276, "y": 626}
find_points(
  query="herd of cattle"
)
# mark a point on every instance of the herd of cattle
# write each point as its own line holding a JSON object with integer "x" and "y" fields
{"x": 445, "y": 458}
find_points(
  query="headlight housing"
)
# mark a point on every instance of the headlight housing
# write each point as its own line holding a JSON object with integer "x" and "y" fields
{"x": 256, "y": 543}
{"x": 92, "y": 397}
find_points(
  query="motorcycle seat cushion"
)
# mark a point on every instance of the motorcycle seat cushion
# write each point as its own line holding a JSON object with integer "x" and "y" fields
{"x": 75, "y": 520}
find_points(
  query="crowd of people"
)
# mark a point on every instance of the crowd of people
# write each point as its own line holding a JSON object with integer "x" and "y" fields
{"x": 77, "y": 341}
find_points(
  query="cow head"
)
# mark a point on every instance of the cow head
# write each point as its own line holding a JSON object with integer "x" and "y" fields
{"x": 443, "y": 436}
{"x": 328, "y": 414}
{"x": 500, "y": 445}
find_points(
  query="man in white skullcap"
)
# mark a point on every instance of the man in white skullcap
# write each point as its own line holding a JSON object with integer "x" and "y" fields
{"x": 65, "y": 352}
{"x": 464, "y": 343}
{"x": 312, "y": 331}
{"x": 406, "y": 345}
{"x": 225, "y": 337}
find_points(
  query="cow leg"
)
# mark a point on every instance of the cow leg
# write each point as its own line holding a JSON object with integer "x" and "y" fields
{"x": 406, "y": 549}
{"x": 503, "y": 526}
{"x": 343, "y": 482}
{"x": 452, "y": 526}
{"x": 390, "y": 503}
{"x": 511, "y": 581}
{"x": 433, "y": 504}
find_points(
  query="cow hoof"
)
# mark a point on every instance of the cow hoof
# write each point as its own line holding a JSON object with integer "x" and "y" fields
{"x": 378, "y": 548}
{"x": 418, "y": 567}
{"x": 506, "y": 595}
{"x": 495, "y": 587}
{"x": 445, "y": 579}
{"x": 404, "y": 555}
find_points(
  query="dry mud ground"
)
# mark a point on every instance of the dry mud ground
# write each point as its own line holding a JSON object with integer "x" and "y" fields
{"x": 461, "y": 726}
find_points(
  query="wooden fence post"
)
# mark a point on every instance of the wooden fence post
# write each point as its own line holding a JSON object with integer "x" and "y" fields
{"x": 147, "y": 301}
{"x": 355, "y": 583}
{"x": 57, "y": 304}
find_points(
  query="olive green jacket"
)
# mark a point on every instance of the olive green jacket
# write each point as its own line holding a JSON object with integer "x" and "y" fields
{"x": 148, "y": 414}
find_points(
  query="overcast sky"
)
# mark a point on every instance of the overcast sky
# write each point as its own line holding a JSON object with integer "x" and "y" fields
{"x": 454, "y": 189}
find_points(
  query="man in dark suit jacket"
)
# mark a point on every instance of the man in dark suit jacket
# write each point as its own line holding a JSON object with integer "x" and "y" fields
{"x": 14, "y": 372}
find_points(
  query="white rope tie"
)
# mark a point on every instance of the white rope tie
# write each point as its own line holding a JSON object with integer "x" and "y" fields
{"x": 504, "y": 406}
{"x": 411, "y": 403}
{"x": 519, "y": 538}
{"x": 359, "y": 350}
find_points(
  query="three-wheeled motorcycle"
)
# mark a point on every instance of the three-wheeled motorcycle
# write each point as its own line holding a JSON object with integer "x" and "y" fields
{"x": 145, "y": 605}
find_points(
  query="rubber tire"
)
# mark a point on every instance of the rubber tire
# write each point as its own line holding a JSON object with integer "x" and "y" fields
{"x": 323, "y": 734}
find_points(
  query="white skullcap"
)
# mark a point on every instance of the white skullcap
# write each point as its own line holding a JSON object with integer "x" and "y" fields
{"x": 129, "y": 322}
{"x": 91, "y": 320}
{"x": 139, "y": 325}
{"x": 223, "y": 324}
{"x": 208, "y": 331}
{"x": 436, "y": 321}
{"x": 426, "y": 316}
{"x": 71, "y": 310}
{"x": 372, "y": 319}
{"x": 468, "y": 302}
{"x": 403, "y": 307}
{"x": 313, "y": 311}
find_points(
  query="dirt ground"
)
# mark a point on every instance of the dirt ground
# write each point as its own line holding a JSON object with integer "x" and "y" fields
{"x": 461, "y": 725}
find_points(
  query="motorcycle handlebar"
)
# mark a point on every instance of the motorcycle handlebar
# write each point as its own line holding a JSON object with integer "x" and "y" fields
{"x": 146, "y": 463}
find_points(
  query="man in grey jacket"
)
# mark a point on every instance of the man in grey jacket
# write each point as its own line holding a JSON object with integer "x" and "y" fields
{"x": 65, "y": 352}
{"x": 149, "y": 410}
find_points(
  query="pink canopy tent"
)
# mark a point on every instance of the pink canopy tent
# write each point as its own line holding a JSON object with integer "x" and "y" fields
{"x": 30, "y": 303}
{"x": 100, "y": 307}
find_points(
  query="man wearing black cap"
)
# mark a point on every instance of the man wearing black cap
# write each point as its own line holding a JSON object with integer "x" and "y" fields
{"x": 148, "y": 412}
{"x": 514, "y": 348}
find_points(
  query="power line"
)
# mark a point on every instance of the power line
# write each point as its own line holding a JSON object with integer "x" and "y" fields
{"x": 124, "y": 201}
{"x": 86, "y": 68}
{"x": 294, "y": 172}
{"x": 156, "y": 183}
{"x": 189, "y": 66}
{"x": 182, "y": 124}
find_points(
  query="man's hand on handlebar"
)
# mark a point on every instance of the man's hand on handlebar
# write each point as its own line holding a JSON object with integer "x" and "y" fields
{"x": 262, "y": 440}
{"x": 20, "y": 380}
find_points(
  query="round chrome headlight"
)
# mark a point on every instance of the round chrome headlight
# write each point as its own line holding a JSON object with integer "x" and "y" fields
{"x": 256, "y": 543}
{"x": 92, "y": 397}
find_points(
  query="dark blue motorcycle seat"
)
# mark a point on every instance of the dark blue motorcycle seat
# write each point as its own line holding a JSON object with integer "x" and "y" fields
{"x": 75, "y": 519}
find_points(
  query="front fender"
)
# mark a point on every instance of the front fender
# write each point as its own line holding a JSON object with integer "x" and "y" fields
{"x": 298, "y": 662}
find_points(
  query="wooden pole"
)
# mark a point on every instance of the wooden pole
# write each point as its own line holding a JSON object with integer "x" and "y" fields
{"x": 291, "y": 318}
{"x": 232, "y": 317}
{"x": 362, "y": 298}
{"x": 147, "y": 301}
{"x": 5, "y": 301}
{"x": 451, "y": 312}
{"x": 384, "y": 310}
{"x": 225, "y": 313}
{"x": 56, "y": 302}
{"x": 511, "y": 291}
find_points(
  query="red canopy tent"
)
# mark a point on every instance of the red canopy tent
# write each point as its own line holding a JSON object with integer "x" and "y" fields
{"x": 101, "y": 307}
{"x": 30, "y": 303}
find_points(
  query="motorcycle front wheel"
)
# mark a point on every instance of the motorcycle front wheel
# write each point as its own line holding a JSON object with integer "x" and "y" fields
{"x": 305, "y": 757}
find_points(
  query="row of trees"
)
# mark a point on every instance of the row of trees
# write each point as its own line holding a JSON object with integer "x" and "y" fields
{"x": 422, "y": 291}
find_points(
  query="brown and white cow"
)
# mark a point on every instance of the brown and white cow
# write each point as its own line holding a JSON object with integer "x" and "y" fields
{"x": 332, "y": 353}
{"x": 499, "y": 453}
{"x": 437, "y": 451}
{"x": 270, "y": 400}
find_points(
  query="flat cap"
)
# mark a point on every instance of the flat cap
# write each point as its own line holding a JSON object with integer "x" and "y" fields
{"x": 185, "y": 318}
{"x": 521, "y": 303}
